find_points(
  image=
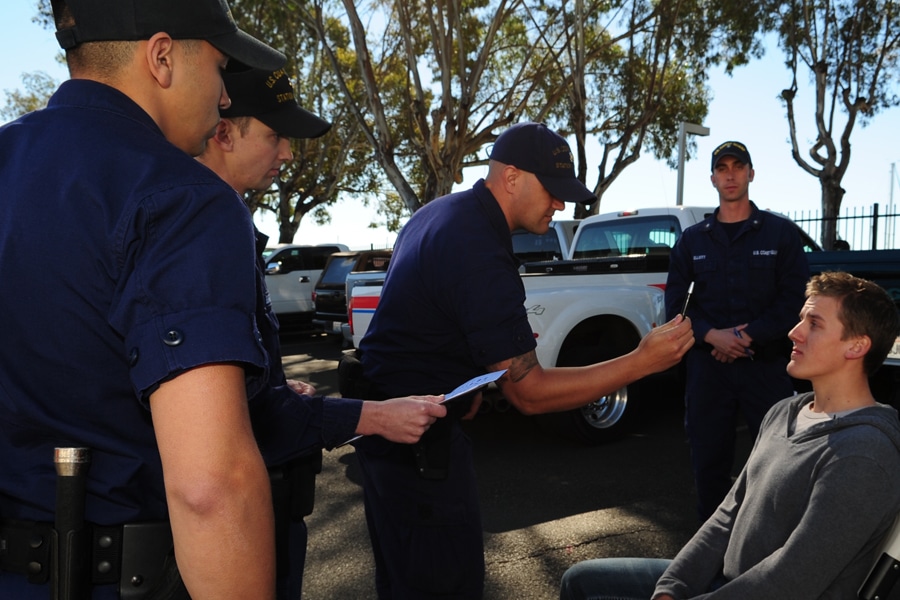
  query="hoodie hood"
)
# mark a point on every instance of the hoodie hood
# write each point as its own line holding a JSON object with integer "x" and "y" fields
{"x": 882, "y": 417}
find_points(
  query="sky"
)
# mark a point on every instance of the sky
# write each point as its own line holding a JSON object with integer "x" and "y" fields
{"x": 745, "y": 107}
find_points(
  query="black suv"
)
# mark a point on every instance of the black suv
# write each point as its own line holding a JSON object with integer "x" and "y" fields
{"x": 330, "y": 294}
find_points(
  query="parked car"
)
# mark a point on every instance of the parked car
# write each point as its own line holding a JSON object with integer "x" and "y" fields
{"x": 291, "y": 272}
{"x": 330, "y": 294}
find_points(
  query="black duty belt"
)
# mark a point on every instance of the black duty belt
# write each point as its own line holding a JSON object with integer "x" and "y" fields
{"x": 135, "y": 555}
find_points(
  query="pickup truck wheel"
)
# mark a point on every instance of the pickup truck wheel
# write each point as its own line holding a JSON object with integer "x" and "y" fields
{"x": 605, "y": 412}
{"x": 607, "y": 418}
{"x": 604, "y": 420}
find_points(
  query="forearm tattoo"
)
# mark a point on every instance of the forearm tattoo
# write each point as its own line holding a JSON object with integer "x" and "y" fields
{"x": 519, "y": 367}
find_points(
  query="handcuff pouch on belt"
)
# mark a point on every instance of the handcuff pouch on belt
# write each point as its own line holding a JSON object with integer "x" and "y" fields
{"x": 293, "y": 498}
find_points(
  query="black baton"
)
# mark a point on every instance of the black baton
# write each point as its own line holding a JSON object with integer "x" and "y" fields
{"x": 70, "y": 573}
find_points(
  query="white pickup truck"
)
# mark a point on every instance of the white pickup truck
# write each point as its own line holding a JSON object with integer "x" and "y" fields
{"x": 595, "y": 306}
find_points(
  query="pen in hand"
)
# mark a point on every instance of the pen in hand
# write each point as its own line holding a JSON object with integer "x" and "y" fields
{"x": 747, "y": 351}
{"x": 687, "y": 299}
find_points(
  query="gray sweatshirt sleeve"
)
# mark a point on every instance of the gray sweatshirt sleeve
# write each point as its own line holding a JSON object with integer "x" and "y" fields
{"x": 826, "y": 555}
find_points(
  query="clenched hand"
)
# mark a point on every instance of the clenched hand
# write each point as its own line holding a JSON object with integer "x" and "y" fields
{"x": 664, "y": 346}
{"x": 401, "y": 420}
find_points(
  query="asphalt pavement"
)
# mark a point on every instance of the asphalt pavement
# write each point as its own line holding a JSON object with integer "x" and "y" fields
{"x": 547, "y": 502}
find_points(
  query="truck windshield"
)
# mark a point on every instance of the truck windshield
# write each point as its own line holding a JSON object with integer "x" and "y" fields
{"x": 634, "y": 235}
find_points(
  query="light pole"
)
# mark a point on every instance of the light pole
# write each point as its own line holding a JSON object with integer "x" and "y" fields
{"x": 683, "y": 130}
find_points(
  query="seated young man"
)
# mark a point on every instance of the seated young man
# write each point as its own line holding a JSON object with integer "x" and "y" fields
{"x": 821, "y": 487}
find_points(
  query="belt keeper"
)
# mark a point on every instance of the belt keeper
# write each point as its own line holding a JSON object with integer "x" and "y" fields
{"x": 106, "y": 555}
{"x": 25, "y": 549}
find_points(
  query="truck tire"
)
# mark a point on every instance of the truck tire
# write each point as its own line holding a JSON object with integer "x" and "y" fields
{"x": 609, "y": 417}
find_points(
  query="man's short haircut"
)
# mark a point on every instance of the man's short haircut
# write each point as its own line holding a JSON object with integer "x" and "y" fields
{"x": 103, "y": 59}
{"x": 242, "y": 124}
{"x": 865, "y": 309}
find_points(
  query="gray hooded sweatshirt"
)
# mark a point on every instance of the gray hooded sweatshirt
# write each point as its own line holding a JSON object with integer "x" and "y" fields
{"x": 806, "y": 516}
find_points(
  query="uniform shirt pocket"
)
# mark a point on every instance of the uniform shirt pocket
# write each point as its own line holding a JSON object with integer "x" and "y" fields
{"x": 762, "y": 275}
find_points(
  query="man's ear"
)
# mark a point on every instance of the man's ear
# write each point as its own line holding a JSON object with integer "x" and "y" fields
{"x": 224, "y": 136}
{"x": 859, "y": 348}
{"x": 159, "y": 53}
{"x": 510, "y": 178}
{"x": 752, "y": 173}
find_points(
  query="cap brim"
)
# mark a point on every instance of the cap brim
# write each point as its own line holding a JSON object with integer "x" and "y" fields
{"x": 248, "y": 50}
{"x": 296, "y": 122}
{"x": 567, "y": 189}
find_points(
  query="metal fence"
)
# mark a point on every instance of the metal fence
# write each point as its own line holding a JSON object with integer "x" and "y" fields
{"x": 863, "y": 228}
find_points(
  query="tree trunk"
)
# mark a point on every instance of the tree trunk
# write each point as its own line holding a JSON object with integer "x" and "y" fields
{"x": 287, "y": 226}
{"x": 832, "y": 195}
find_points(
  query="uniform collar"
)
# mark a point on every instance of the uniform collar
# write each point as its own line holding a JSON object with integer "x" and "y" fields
{"x": 754, "y": 221}
{"x": 93, "y": 95}
{"x": 494, "y": 213}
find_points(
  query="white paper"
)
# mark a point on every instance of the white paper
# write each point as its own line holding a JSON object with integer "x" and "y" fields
{"x": 470, "y": 386}
{"x": 473, "y": 384}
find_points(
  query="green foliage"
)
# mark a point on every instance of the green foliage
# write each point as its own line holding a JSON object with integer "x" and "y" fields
{"x": 442, "y": 79}
{"x": 416, "y": 88}
{"x": 38, "y": 87}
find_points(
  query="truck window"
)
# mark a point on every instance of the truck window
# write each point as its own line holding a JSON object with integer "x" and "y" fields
{"x": 531, "y": 247}
{"x": 338, "y": 269}
{"x": 291, "y": 260}
{"x": 636, "y": 235}
{"x": 316, "y": 256}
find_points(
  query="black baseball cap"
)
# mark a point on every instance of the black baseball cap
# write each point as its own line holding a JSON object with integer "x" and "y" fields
{"x": 132, "y": 20}
{"x": 735, "y": 149}
{"x": 533, "y": 147}
{"x": 269, "y": 97}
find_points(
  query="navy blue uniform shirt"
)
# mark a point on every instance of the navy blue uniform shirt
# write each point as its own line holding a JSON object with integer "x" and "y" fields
{"x": 124, "y": 262}
{"x": 284, "y": 425}
{"x": 453, "y": 301}
{"x": 757, "y": 278}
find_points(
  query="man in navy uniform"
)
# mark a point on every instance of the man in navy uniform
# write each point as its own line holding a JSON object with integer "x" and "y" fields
{"x": 749, "y": 273}
{"x": 141, "y": 337}
{"x": 453, "y": 308}
{"x": 251, "y": 144}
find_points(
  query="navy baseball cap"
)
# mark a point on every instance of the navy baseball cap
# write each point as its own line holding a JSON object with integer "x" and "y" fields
{"x": 269, "y": 97}
{"x": 132, "y": 20}
{"x": 735, "y": 149}
{"x": 533, "y": 147}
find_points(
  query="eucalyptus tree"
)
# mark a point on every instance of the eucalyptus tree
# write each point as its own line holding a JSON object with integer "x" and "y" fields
{"x": 849, "y": 51}
{"x": 633, "y": 70}
{"x": 438, "y": 81}
{"x": 443, "y": 77}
